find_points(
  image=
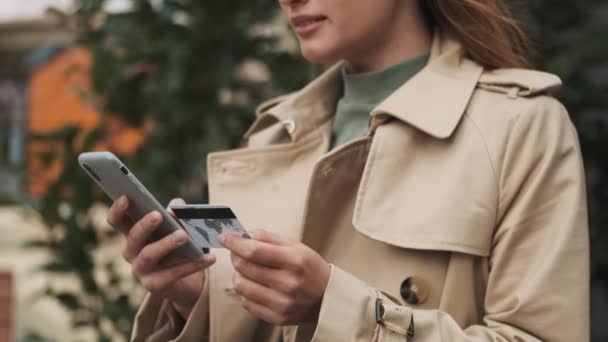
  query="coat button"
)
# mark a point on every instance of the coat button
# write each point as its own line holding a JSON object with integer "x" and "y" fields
{"x": 289, "y": 125}
{"x": 414, "y": 290}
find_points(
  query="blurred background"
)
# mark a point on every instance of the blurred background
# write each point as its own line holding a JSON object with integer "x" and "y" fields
{"x": 161, "y": 83}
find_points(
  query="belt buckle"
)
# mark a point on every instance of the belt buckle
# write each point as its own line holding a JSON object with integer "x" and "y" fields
{"x": 379, "y": 311}
{"x": 380, "y": 320}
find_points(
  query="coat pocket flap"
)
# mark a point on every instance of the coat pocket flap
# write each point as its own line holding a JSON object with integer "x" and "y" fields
{"x": 429, "y": 200}
{"x": 435, "y": 239}
{"x": 424, "y": 225}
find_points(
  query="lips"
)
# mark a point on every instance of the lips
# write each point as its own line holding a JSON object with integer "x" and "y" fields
{"x": 305, "y": 20}
{"x": 307, "y": 24}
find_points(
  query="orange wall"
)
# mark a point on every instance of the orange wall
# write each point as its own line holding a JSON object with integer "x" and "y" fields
{"x": 59, "y": 92}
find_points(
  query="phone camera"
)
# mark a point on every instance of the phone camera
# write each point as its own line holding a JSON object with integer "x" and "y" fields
{"x": 124, "y": 170}
{"x": 91, "y": 172}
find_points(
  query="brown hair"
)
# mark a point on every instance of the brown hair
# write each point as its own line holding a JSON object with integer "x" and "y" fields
{"x": 487, "y": 30}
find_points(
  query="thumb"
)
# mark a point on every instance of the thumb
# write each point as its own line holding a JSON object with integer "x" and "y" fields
{"x": 269, "y": 237}
{"x": 175, "y": 201}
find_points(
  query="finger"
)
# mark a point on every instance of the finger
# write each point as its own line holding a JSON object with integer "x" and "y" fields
{"x": 255, "y": 251}
{"x": 140, "y": 233}
{"x": 117, "y": 215}
{"x": 151, "y": 254}
{"x": 259, "y": 293}
{"x": 260, "y": 274}
{"x": 269, "y": 237}
{"x": 175, "y": 201}
{"x": 262, "y": 312}
{"x": 162, "y": 279}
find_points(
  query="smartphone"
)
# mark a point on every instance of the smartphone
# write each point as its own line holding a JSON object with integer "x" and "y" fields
{"x": 204, "y": 222}
{"x": 116, "y": 180}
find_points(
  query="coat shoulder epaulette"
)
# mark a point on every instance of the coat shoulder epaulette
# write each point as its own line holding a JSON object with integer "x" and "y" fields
{"x": 520, "y": 82}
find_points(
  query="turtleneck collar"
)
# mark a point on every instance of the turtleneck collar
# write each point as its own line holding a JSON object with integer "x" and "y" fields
{"x": 373, "y": 87}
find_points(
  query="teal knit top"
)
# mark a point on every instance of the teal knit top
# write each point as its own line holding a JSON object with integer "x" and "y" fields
{"x": 363, "y": 92}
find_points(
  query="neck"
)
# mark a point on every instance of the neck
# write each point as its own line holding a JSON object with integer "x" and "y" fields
{"x": 408, "y": 37}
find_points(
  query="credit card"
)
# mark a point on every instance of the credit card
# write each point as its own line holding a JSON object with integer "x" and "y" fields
{"x": 204, "y": 222}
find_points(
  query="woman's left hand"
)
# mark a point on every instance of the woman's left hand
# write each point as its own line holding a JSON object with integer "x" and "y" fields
{"x": 279, "y": 281}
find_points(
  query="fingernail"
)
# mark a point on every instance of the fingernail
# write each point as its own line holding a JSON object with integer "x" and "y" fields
{"x": 154, "y": 218}
{"x": 208, "y": 258}
{"x": 123, "y": 203}
{"x": 180, "y": 237}
{"x": 221, "y": 238}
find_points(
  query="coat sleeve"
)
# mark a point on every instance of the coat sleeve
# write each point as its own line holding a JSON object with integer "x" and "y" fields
{"x": 157, "y": 320}
{"x": 538, "y": 283}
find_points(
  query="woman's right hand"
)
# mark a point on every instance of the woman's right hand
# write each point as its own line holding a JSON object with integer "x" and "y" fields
{"x": 180, "y": 284}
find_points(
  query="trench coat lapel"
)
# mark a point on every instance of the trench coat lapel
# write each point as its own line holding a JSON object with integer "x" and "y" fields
{"x": 308, "y": 109}
{"x": 435, "y": 99}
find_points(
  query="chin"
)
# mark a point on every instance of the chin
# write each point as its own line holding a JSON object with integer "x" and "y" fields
{"x": 317, "y": 54}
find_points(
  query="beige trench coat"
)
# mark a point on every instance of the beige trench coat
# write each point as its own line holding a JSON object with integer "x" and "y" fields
{"x": 460, "y": 216}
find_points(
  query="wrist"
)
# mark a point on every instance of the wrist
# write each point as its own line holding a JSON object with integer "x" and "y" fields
{"x": 191, "y": 294}
{"x": 313, "y": 316}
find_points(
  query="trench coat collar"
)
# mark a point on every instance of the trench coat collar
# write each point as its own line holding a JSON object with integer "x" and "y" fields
{"x": 433, "y": 101}
{"x": 304, "y": 110}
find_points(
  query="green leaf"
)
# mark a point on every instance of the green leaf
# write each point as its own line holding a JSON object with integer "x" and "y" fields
{"x": 68, "y": 300}
{"x": 55, "y": 267}
{"x": 35, "y": 244}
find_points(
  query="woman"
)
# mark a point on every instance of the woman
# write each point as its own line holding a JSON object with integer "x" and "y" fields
{"x": 427, "y": 188}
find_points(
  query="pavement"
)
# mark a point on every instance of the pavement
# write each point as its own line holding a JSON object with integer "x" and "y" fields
{"x": 31, "y": 313}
